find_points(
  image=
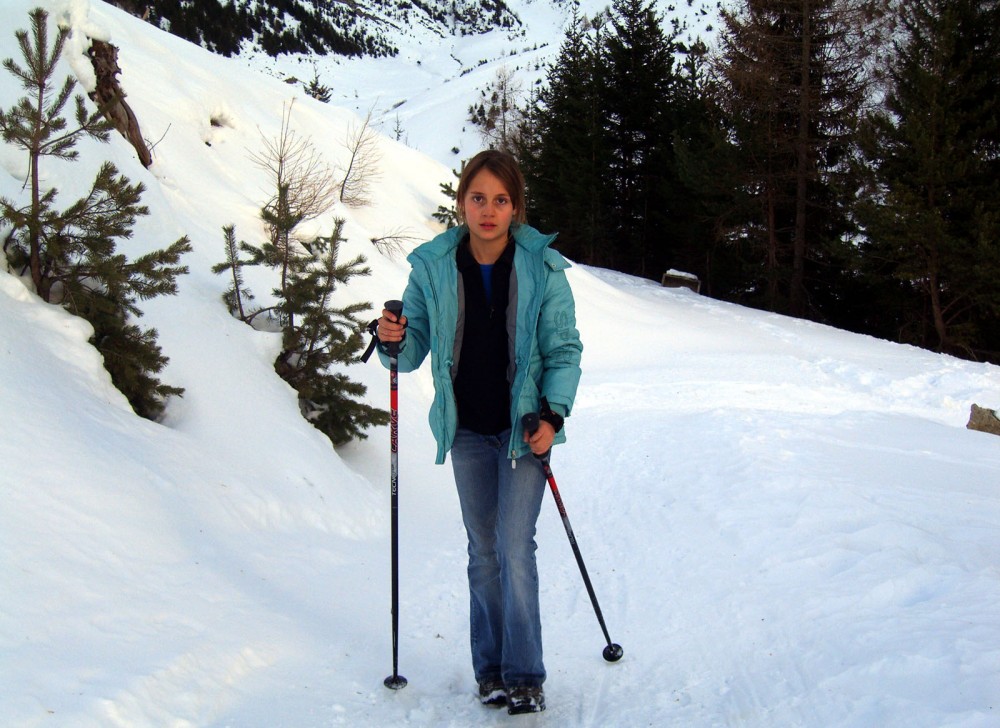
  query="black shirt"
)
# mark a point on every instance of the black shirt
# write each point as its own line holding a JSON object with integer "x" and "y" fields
{"x": 482, "y": 391}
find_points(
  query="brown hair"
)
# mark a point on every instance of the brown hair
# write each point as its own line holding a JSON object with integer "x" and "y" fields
{"x": 505, "y": 168}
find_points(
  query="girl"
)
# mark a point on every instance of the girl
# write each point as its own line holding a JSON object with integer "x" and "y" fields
{"x": 490, "y": 301}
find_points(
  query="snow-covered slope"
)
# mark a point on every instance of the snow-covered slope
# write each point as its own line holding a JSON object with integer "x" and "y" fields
{"x": 785, "y": 524}
{"x": 422, "y": 95}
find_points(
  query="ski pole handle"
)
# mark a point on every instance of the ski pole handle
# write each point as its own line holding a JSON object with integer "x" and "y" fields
{"x": 396, "y": 309}
{"x": 530, "y": 423}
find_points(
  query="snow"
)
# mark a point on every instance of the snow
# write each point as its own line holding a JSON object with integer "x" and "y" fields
{"x": 785, "y": 524}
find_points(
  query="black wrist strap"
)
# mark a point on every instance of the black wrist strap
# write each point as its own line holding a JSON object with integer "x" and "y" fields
{"x": 547, "y": 415}
{"x": 372, "y": 329}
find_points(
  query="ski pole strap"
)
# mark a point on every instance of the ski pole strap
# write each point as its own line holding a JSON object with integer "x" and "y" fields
{"x": 372, "y": 329}
{"x": 548, "y": 415}
{"x": 392, "y": 347}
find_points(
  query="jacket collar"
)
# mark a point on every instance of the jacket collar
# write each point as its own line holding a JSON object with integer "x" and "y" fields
{"x": 444, "y": 244}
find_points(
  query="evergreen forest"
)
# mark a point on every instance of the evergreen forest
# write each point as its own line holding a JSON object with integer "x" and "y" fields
{"x": 834, "y": 160}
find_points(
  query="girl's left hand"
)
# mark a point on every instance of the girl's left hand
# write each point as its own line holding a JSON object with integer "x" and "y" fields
{"x": 541, "y": 441}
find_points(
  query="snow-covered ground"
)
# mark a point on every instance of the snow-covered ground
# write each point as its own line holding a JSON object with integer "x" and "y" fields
{"x": 785, "y": 524}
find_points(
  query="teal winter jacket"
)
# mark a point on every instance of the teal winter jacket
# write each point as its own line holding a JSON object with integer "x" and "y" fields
{"x": 545, "y": 348}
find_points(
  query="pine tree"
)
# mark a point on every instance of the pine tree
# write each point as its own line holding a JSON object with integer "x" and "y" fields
{"x": 317, "y": 335}
{"x": 932, "y": 210}
{"x": 599, "y": 144}
{"x": 325, "y": 335}
{"x": 707, "y": 164}
{"x": 790, "y": 79}
{"x": 71, "y": 254}
{"x": 448, "y": 216}
{"x": 563, "y": 149}
{"x": 317, "y": 89}
{"x": 237, "y": 296}
{"x": 640, "y": 84}
{"x": 36, "y": 125}
{"x": 131, "y": 355}
{"x": 499, "y": 115}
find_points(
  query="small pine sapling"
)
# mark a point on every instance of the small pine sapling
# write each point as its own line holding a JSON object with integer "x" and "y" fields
{"x": 318, "y": 334}
{"x": 321, "y": 335}
{"x": 448, "y": 216}
{"x": 237, "y": 297}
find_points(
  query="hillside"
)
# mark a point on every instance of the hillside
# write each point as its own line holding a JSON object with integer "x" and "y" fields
{"x": 416, "y": 66}
{"x": 786, "y": 524}
{"x": 314, "y": 27}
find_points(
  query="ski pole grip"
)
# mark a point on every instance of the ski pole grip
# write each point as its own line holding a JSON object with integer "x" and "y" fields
{"x": 530, "y": 422}
{"x": 396, "y": 309}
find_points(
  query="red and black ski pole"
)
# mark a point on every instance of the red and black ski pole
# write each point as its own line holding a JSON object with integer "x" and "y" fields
{"x": 395, "y": 681}
{"x": 613, "y": 652}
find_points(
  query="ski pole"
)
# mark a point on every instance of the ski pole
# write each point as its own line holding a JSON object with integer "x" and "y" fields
{"x": 395, "y": 681}
{"x": 613, "y": 652}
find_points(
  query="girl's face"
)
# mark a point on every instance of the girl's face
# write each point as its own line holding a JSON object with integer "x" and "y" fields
{"x": 487, "y": 209}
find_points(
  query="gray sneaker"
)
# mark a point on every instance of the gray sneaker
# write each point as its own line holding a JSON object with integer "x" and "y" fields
{"x": 525, "y": 699}
{"x": 492, "y": 692}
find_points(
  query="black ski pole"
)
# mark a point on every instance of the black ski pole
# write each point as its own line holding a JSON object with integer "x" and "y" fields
{"x": 395, "y": 681}
{"x": 613, "y": 652}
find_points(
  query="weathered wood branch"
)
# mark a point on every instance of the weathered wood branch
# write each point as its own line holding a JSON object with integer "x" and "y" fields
{"x": 110, "y": 98}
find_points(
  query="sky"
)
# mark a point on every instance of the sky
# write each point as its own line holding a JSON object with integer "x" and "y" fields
{"x": 785, "y": 524}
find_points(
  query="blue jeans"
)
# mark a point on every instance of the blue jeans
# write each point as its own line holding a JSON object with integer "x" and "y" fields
{"x": 500, "y": 505}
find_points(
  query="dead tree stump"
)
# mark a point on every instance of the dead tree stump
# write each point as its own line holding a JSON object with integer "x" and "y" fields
{"x": 110, "y": 98}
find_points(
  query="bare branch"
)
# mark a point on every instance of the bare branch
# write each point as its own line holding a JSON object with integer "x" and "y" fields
{"x": 391, "y": 244}
{"x": 363, "y": 163}
{"x": 294, "y": 163}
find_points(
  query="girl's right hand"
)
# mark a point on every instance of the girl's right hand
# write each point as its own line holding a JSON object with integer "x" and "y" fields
{"x": 389, "y": 329}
